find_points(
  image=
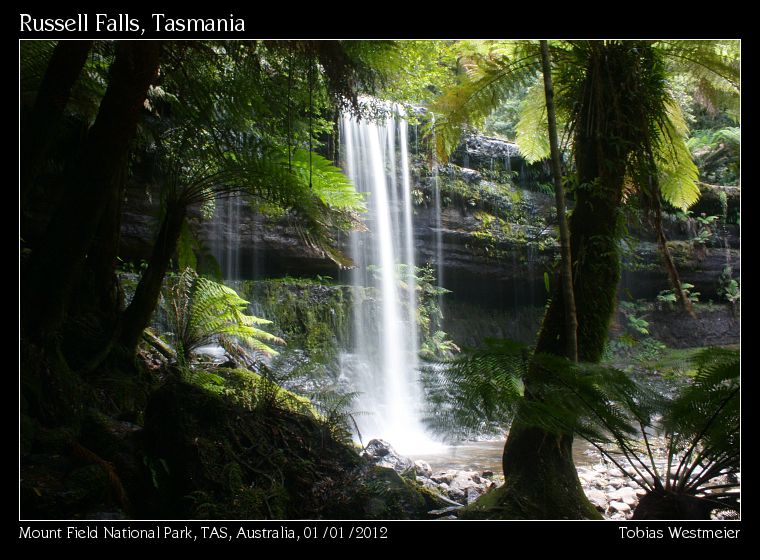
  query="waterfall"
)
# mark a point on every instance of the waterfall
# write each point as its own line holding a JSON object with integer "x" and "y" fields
{"x": 383, "y": 363}
{"x": 438, "y": 220}
{"x": 225, "y": 244}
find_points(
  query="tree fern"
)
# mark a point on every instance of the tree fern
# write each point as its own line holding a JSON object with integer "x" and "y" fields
{"x": 605, "y": 406}
{"x": 493, "y": 73}
{"x": 201, "y": 311}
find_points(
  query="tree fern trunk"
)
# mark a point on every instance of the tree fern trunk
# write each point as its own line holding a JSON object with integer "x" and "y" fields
{"x": 56, "y": 262}
{"x": 140, "y": 310}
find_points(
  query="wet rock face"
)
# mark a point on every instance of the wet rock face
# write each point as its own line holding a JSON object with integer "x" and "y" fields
{"x": 479, "y": 151}
{"x": 475, "y": 270}
{"x": 714, "y": 327}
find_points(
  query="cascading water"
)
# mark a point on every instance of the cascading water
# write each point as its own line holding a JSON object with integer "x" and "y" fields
{"x": 383, "y": 363}
{"x": 226, "y": 230}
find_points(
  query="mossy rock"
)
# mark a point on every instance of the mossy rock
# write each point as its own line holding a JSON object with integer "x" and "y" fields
{"x": 388, "y": 495}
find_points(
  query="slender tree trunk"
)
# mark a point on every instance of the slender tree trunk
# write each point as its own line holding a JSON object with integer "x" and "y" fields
{"x": 62, "y": 72}
{"x": 670, "y": 266}
{"x": 137, "y": 315}
{"x": 566, "y": 265}
{"x": 56, "y": 262}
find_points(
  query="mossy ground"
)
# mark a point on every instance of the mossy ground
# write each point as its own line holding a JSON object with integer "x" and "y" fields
{"x": 209, "y": 443}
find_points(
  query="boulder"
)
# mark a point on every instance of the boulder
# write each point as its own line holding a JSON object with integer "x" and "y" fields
{"x": 598, "y": 498}
{"x": 473, "y": 493}
{"x": 422, "y": 468}
{"x": 616, "y": 482}
{"x": 621, "y": 507}
{"x": 379, "y": 452}
{"x": 457, "y": 495}
{"x": 443, "y": 477}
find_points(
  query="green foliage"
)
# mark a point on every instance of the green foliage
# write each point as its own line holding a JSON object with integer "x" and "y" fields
{"x": 478, "y": 391}
{"x": 502, "y": 122}
{"x": 185, "y": 254}
{"x": 702, "y": 427}
{"x": 638, "y": 324}
{"x": 200, "y": 311}
{"x": 407, "y": 71}
{"x": 258, "y": 392}
{"x": 243, "y": 119}
{"x": 678, "y": 173}
{"x": 712, "y": 70}
{"x": 434, "y": 343}
{"x": 716, "y": 152}
{"x": 607, "y": 408}
{"x": 728, "y": 287}
{"x": 533, "y": 124}
{"x": 87, "y": 92}
{"x": 668, "y": 297}
{"x": 657, "y": 127}
{"x": 311, "y": 314}
{"x": 494, "y": 70}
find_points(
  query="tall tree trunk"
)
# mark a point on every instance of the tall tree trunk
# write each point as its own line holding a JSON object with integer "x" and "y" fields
{"x": 55, "y": 264}
{"x": 137, "y": 315}
{"x": 61, "y": 74}
{"x": 541, "y": 479}
{"x": 566, "y": 265}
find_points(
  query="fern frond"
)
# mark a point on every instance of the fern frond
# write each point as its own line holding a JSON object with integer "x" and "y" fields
{"x": 201, "y": 311}
{"x": 713, "y": 67}
{"x": 679, "y": 176}
{"x": 489, "y": 79}
{"x": 532, "y": 135}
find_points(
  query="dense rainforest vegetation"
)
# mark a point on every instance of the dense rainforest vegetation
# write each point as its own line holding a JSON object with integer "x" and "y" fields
{"x": 229, "y": 251}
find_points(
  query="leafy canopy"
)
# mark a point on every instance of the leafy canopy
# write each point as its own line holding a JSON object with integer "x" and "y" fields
{"x": 496, "y": 70}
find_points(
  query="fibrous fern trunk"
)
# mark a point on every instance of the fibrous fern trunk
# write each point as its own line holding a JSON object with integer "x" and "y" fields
{"x": 541, "y": 479}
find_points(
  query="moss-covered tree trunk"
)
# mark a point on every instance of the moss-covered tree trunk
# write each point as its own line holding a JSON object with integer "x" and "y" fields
{"x": 541, "y": 479}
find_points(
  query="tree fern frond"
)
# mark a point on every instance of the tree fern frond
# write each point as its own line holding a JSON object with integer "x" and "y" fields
{"x": 200, "y": 311}
{"x": 329, "y": 183}
{"x": 532, "y": 137}
{"x": 488, "y": 81}
{"x": 713, "y": 67}
{"x": 679, "y": 176}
